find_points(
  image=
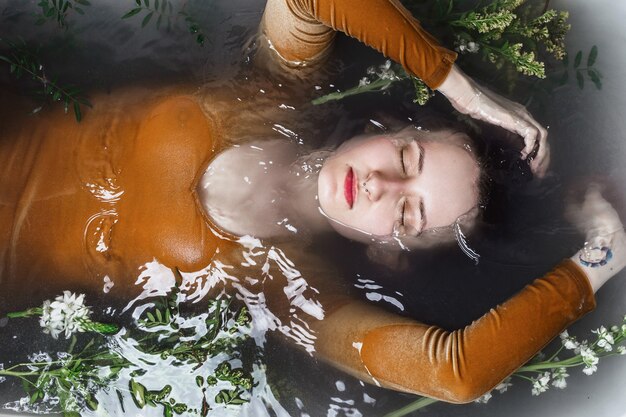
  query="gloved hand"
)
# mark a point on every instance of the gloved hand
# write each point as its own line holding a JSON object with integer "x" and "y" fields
{"x": 469, "y": 98}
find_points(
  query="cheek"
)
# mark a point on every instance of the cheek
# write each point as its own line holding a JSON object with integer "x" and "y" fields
{"x": 372, "y": 219}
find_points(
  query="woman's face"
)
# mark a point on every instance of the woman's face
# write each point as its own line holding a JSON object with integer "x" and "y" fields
{"x": 397, "y": 185}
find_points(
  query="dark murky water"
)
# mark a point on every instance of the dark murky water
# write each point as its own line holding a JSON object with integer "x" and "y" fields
{"x": 526, "y": 235}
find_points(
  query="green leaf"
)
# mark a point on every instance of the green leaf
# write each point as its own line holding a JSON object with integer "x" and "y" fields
{"x": 159, "y": 315}
{"x": 34, "y": 396}
{"x": 580, "y": 79}
{"x": 595, "y": 78}
{"x": 138, "y": 393}
{"x": 146, "y": 19}
{"x": 83, "y": 2}
{"x": 79, "y": 10}
{"x": 92, "y": 403}
{"x": 150, "y": 316}
{"x": 579, "y": 57}
{"x": 77, "y": 113}
{"x": 70, "y": 349}
{"x": 120, "y": 397}
{"x": 132, "y": 13}
{"x": 158, "y": 23}
{"x": 593, "y": 54}
{"x": 167, "y": 410}
{"x": 156, "y": 4}
{"x": 138, "y": 2}
{"x": 147, "y": 3}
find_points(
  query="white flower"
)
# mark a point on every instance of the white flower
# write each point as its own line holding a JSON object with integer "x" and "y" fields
{"x": 64, "y": 314}
{"x": 364, "y": 81}
{"x": 484, "y": 399}
{"x": 605, "y": 338}
{"x": 503, "y": 386}
{"x": 569, "y": 342}
{"x": 558, "y": 378}
{"x": 621, "y": 350}
{"x": 589, "y": 356}
{"x": 590, "y": 369}
{"x": 541, "y": 384}
{"x": 472, "y": 47}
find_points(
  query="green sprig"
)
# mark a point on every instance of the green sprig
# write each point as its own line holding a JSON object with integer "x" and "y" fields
{"x": 58, "y": 10}
{"x": 22, "y": 62}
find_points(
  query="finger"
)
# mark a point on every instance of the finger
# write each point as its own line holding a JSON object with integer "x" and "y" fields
{"x": 531, "y": 136}
{"x": 539, "y": 155}
{"x": 540, "y": 163}
{"x": 540, "y": 167}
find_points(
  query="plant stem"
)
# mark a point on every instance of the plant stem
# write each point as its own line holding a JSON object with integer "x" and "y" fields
{"x": 35, "y": 311}
{"x": 414, "y": 406}
{"x": 377, "y": 85}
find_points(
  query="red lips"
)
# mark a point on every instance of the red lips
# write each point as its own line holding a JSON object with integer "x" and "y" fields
{"x": 348, "y": 188}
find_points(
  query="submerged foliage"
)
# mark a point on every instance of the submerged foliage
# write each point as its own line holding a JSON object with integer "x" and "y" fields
{"x": 58, "y": 10}
{"x": 24, "y": 62}
{"x": 163, "y": 13}
{"x": 592, "y": 73}
{"x": 162, "y": 337}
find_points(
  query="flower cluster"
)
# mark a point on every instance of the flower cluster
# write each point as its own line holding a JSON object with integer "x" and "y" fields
{"x": 384, "y": 72}
{"x": 64, "y": 315}
{"x": 67, "y": 314}
{"x": 540, "y": 384}
{"x": 463, "y": 46}
{"x": 493, "y": 23}
{"x": 550, "y": 29}
{"x": 553, "y": 371}
{"x": 524, "y": 62}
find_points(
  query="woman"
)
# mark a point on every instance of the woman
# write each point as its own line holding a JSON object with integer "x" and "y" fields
{"x": 142, "y": 180}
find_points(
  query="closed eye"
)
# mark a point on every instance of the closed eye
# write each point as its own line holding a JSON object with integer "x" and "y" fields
{"x": 402, "y": 163}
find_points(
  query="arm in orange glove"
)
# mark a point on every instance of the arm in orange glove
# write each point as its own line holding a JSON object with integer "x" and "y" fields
{"x": 459, "y": 366}
{"x": 301, "y": 32}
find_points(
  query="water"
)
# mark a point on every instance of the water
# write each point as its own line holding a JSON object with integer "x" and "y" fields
{"x": 101, "y": 52}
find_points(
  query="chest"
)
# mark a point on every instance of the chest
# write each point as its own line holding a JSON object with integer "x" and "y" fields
{"x": 158, "y": 214}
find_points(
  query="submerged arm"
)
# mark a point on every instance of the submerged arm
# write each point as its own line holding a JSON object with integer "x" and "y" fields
{"x": 457, "y": 366}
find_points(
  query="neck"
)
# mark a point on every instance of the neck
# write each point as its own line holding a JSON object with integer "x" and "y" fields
{"x": 263, "y": 189}
{"x": 301, "y": 186}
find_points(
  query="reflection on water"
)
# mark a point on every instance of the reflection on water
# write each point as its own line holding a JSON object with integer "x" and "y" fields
{"x": 100, "y": 52}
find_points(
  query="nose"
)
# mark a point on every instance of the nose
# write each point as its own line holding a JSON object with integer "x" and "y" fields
{"x": 378, "y": 185}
